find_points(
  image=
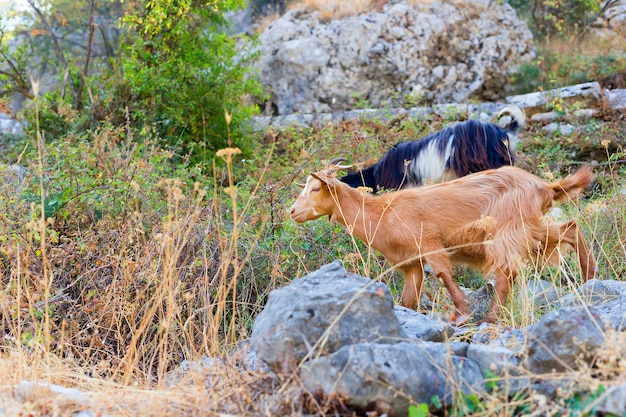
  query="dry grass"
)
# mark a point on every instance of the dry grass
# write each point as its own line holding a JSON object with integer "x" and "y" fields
{"x": 331, "y": 9}
{"x": 219, "y": 389}
{"x": 145, "y": 267}
{"x": 337, "y": 9}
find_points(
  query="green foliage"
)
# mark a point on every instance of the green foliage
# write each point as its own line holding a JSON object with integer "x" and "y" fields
{"x": 418, "y": 410}
{"x": 184, "y": 73}
{"x": 414, "y": 100}
{"x": 491, "y": 381}
{"x": 436, "y": 402}
{"x": 558, "y": 68}
{"x": 467, "y": 404}
{"x": 55, "y": 116}
{"x": 55, "y": 40}
{"x": 423, "y": 410}
{"x": 549, "y": 18}
{"x": 361, "y": 103}
{"x": 178, "y": 73}
{"x": 14, "y": 61}
{"x": 96, "y": 175}
{"x": 582, "y": 404}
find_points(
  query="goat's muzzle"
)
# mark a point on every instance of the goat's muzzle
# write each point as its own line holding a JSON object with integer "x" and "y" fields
{"x": 296, "y": 216}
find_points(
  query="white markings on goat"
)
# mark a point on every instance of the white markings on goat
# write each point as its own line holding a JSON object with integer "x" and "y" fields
{"x": 305, "y": 189}
{"x": 432, "y": 165}
{"x": 308, "y": 187}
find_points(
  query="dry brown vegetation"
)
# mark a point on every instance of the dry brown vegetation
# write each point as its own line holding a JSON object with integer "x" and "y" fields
{"x": 118, "y": 261}
{"x": 337, "y": 9}
{"x": 143, "y": 264}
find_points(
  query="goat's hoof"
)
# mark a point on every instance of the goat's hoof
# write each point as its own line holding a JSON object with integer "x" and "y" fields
{"x": 486, "y": 320}
{"x": 461, "y": 320}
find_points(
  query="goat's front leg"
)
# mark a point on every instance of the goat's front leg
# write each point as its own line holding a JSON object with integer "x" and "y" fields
{"x": 412, "y": 290}
{"x": 504, "y": 279}
{"x": 442, "y": 269}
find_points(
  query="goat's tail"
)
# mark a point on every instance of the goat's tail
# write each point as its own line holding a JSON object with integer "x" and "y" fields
{"x": 571, "y": 186}
{"x": 511, "y": 118}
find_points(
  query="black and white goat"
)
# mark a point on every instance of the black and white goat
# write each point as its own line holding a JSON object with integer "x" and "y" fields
{"x": 453, "y": 152}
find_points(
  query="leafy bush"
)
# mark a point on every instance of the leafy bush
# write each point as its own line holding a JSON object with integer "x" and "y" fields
{"x": 563, "y": 63}
{"x": 565, "y": 56}
{"x": 185, "y": 73}
{"x": 549, "y": 18}
{"x": 178, "y": 75}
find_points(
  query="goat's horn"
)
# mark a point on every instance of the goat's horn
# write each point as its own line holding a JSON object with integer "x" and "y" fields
{"x": 335, "y": 163}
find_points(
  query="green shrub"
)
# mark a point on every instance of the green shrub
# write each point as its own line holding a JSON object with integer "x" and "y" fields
{"x": 561, "y": 64}
{"x": 185, "y": 73}
{"x": 549, "y": 18}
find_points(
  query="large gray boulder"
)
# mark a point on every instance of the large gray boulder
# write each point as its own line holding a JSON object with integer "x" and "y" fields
{"x": 320, "y": 313}
{"x": 613, "y": 21}
{"x": 608, "y": 298}
{"x": 616, "y": 99}
{"x": 389, "y": 378}
{"x": 565, "y": 339}
{"x": 595, "y": 292}
{"x": 440, "y": 52}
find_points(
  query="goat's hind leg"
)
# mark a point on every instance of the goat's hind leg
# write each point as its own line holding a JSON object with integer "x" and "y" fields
{"x": 569, "y": 233}
{"x": 504, "y": 280}
{"x": 413, "y": 280}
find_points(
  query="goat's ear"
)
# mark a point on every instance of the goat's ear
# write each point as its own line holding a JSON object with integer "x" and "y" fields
{"x": 314, "y": 175}
{"x": 299, "y": 185}
{"x": 321, "y": 176}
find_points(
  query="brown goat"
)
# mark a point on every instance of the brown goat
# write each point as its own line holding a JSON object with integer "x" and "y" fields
{"x": 492, "y": 221}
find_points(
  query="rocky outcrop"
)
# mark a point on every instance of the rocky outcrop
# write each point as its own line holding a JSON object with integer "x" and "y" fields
{"x": 439, "y": 52}
{"x": 385, "y": 365}
{"x": 565, "y": 339}
{"x": 389, "y": 378}
{"x": 587, "y": 97}
{"x": 9, "y": 125}
{"x": 608, "y": 298}
{"x": 329, "y": 309}
{"x": 613, "y": 20}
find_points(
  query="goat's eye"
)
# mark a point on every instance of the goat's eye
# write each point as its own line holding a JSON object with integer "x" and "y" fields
{"x": 315, "y": 189}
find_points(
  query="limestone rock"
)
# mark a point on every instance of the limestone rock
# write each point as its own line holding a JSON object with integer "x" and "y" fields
{"x": 608, "y": 298}
{"x": 564, "y": 339}
{"x": 613, "y": 402}
{"x": 585, "y": 95}
{"x": 440, "y": 52}
{"x": 418, "y": 326}
{"x": 320, "y": 313}
{"x": 389, "y": 378}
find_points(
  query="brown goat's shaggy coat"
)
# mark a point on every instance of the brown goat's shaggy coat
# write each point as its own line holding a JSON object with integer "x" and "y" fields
{"x": 492, "y": 221}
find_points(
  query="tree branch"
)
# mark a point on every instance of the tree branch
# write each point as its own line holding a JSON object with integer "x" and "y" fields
{"x": 602, "y": 11}
{"x": 57, "y": 45}
{"x": 22, "y": 85}
{"x": 83, "y": 80}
